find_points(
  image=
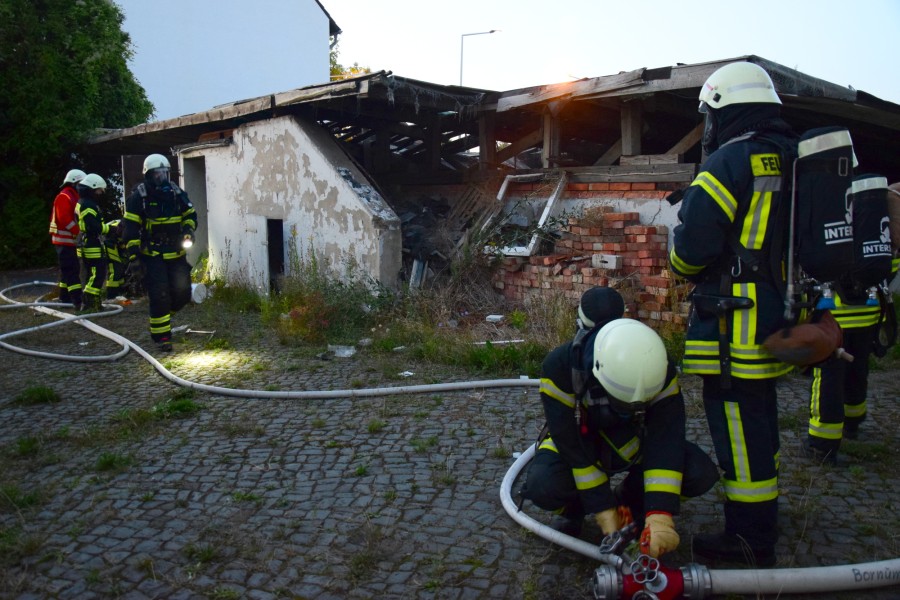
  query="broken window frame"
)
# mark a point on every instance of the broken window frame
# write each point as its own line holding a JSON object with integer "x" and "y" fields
{"x": 528, "y": 250}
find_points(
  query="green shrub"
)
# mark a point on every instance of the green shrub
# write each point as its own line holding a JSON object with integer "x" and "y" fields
{"x": 236, "y": 295}
{"x": 315, "y": 305}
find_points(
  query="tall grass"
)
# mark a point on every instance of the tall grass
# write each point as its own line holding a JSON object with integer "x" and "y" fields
{"x": 441, "y": 322}
{"x": 316, "y": 304}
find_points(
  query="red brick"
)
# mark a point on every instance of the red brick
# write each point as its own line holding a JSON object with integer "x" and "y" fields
{"x": 625, "y": 216}
{"x": 639, "y": 229}
{"x": 650, "y": 254}
{"x": 620, "y": 186}
{"x": 643, "y": 186}
{"x": 598, "y": 187}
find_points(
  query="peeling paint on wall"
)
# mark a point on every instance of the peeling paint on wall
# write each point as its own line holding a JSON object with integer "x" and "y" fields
{"x": 293, "y": 171}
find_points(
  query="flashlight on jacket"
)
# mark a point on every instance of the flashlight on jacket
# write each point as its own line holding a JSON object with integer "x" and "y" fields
{"x": 187, "y": 242}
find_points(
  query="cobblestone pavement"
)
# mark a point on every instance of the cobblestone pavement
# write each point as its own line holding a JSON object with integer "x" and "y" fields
{"x": 115, "y": 492}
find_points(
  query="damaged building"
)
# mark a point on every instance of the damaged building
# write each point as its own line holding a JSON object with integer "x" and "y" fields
{"x": 393, "y": 176}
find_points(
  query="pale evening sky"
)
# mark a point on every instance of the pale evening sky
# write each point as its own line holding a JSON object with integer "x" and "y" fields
{"x": 538, "y": 42}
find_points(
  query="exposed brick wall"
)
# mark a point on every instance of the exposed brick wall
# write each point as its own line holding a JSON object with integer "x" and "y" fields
{"x": 652, "y": 294}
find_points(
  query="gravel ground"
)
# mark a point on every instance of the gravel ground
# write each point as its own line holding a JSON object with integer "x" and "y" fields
{"x": 132, "y": 486}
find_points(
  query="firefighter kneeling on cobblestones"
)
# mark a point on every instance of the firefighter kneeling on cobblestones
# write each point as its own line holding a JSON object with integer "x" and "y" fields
{"x": 159, "y": 224}
{"x": 613, "y": 405}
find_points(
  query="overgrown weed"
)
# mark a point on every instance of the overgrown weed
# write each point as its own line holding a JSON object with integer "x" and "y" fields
{"x": 443, "y": 321}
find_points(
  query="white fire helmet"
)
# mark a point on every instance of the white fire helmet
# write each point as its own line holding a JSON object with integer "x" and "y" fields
{"x": 630, "y": 362}
{"x": 155, "y": 161}
{"x": 93, "y": 181}
{"x": 74, "y": 176}
{"x": 738, "y": 83}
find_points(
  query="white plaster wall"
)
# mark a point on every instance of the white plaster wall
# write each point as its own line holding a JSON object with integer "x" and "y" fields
{"x": 286, "y": 169}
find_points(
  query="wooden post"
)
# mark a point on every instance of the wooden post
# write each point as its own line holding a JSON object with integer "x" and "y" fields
{"x": 550, "y": 151}
{"x": 487, "y": 140}
{"x": 631, "y": 128}
{"x": 433, "y": 142}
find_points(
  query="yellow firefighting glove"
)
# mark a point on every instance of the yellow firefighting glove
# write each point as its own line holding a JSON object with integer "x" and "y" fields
{"x": 608, "y": 520}
{"x": 659, "y": 535}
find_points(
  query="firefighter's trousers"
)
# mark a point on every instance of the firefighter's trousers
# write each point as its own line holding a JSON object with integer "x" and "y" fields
{"x": 743, "y": 424}
{"x": 168, "y": 286}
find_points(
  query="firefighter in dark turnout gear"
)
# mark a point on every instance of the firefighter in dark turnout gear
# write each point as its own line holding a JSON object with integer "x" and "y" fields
{"x": 115, "y": 279}
{"x": 623, "y": 413}
{"x": 159, "y": 224}
{"x": 730, "y": 243}
{"x": 837, "y": 398}
{"x": 63, "y": 232}
{"x": 90, "y": 240}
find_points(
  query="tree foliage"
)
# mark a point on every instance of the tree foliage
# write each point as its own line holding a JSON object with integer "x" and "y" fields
{"x": 65, "y": 75}
{"x": 339, "y": 71}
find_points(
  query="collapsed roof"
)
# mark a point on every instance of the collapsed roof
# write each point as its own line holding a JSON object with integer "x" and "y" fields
{"x": 408, "y": 131}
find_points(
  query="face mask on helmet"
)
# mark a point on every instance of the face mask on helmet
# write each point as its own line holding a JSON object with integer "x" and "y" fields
{"x": 158, "y": 177}
{"x": 710, "y": 142}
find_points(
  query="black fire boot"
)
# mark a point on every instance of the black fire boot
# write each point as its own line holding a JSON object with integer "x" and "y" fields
{"x": 818, "y": 455}
{"x": 567, "y": 525}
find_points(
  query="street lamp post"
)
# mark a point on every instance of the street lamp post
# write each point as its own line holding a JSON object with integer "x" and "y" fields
{"x": 462, "y": 39}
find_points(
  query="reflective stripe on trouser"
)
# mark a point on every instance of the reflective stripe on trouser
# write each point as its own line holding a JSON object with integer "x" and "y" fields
{"x": 550, "y": 484}
{"x": 94, "y": 274}
{"x": 743, "y": 423}
{"x": 838, "y": 391}
{"x": 69, "y": 275}
{"x": 748, "y": 358}
{"x": 115, "y": 279}
{"x": 168, "y": 285}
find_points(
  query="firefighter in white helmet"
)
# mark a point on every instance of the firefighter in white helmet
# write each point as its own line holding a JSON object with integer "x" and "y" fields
{"x": 159, "y": 224}
{"x": 731, "y": 242}
{"x": 63, "y": 232}
{"x": 612, "y": 404}
{"x": 90, "y": 240}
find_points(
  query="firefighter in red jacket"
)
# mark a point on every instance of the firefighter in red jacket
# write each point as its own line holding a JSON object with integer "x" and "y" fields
{"x": 63, "y": 232}
{"x": 728, "y": 244}
{"x": 624, "y": 413}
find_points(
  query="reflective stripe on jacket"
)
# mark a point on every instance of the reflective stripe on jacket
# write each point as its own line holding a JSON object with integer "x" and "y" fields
{"x": 737, "y": 197}
{"x": 157, "y": 220}
{"x": 612, "y": 441}
{"x": 92, "y": 228}
{"x": 63, "y": 222}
